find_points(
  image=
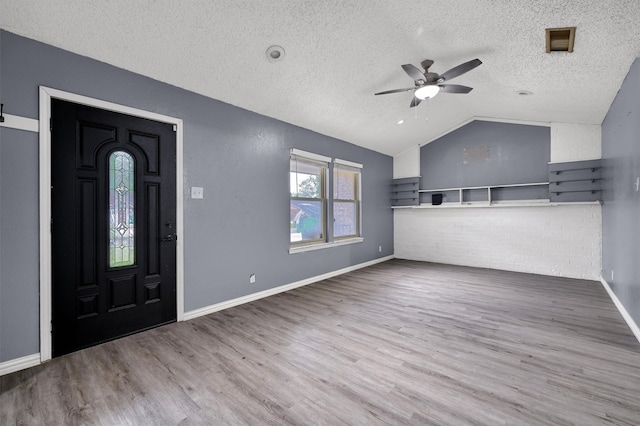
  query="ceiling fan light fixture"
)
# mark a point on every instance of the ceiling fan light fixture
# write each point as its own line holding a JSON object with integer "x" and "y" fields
{"x": 427, "y": 92}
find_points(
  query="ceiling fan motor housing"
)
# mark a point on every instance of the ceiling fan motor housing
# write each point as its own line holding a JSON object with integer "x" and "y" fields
{"x": 426, "y": 64}
{"x": 432, "y": 77}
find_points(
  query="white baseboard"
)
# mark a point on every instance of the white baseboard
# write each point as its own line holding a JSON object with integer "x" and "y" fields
{"x": 270, "y": 292}
{"x": 623, "y": 311}
{"x": 18, "y": 364}
{"x": 28, "y": 361}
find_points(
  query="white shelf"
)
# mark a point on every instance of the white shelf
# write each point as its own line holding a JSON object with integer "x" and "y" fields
{"x": 487, "y": 188}
{"x": 489, "y": 201}
{"x": 512, "y": 185}
{"x": 498, "y": 204}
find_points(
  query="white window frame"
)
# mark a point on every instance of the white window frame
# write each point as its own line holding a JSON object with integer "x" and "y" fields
{"x": 357, "y": 201}
{"x": 301, "y": 247}
{"x": 324, "y": 163}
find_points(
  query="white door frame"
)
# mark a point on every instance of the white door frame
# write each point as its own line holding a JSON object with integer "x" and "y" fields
{"x": 46, "y": 94}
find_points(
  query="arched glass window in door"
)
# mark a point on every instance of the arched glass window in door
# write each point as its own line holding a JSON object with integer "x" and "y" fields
{"x": 121, "y": 209}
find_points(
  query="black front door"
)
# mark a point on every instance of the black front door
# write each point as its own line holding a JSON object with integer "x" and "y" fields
{"x": 113, "y": 202}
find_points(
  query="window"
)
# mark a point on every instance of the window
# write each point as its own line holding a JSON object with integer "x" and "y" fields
{"x": 313, "y": 207}
{"x": 346, "y": 199}
{"x": 307, "y": 187}
{"x": 121, "y": 209}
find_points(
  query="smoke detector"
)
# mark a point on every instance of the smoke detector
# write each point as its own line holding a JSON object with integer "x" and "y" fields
{"x": 275, "y": 53}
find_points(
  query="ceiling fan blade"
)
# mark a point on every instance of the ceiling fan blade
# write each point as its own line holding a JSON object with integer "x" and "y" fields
{"x": 415, "y": 102}
{"x": 454, "y": 88}
{"x": 414, "y": 73}
{"x": 460, "y": 69}
{"x": 386, "y": 92}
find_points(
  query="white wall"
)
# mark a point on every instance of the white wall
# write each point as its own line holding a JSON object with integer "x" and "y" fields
{"x": 575, "y": 142}
{"x": 561, "y": 240}
{"x": 407, "y": 163}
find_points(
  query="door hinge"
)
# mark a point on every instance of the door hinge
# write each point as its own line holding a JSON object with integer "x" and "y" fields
{"x": 51, "y": 124}
{"x": 51, "y": 327}
{"x": 175, "y": 128}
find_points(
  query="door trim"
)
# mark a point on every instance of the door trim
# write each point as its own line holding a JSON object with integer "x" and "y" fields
{"x": 46, "y": 94}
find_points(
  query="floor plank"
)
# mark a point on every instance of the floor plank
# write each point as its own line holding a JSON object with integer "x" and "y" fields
{"x": 397, "y": 343}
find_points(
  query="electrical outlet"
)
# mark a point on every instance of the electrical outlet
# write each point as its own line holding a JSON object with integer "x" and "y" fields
{"x": 197, "y": 192}
{"x": 252, "y": 278}
{"x": 379, "y": 249}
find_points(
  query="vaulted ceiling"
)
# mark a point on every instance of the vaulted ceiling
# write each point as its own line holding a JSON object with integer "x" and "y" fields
{"x": 337, "y": 54}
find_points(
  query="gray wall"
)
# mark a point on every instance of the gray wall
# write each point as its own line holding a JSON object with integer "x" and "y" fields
{"x": 516, "y": 154}
{"x": 484, "y": 153}
{"x": 239, "y": 157}
{"x": 621, "y": 209}
{"x": 19, "y": 269}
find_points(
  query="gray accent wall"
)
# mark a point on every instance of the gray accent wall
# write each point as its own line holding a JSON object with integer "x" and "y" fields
{"x": 19, "y": 268}
{"x": 621, "y": 208}
{"x": 486, "y": 153}
{"x": 240, "y": 158}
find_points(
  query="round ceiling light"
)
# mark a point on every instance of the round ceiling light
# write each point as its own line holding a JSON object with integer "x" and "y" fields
{"x": 427, "y": 92}
{"x": 275, "y": 53}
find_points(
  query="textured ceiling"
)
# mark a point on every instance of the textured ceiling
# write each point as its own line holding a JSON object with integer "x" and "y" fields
{"x": 338, "y": 53}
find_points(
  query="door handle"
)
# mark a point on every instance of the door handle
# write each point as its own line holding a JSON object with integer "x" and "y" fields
{"x": 170, "y": 237}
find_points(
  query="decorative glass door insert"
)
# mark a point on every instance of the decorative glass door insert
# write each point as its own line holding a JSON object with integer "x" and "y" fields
{"x": 121, "y": 209}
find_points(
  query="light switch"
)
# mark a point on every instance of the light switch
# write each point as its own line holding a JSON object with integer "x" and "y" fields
{"x": 197, "y": 192}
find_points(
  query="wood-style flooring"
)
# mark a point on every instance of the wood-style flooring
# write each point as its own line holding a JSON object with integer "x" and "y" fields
{"x": 397, "y": 343}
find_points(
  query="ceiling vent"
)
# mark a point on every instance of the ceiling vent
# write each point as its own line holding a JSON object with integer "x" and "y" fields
{"x": 560, "y": 39}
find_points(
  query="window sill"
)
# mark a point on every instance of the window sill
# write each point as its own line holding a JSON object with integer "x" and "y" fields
{"x": 312, "y": 247}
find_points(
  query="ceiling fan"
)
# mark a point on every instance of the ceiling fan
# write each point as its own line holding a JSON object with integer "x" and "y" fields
{"x": 428, "y": 84}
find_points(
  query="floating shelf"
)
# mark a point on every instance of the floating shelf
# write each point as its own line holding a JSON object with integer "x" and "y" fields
{"x": 571, "y": 182}
{"x": 405, "y": 192}
{"x": 498, "y": 204}
{"x": 575, "y": 181}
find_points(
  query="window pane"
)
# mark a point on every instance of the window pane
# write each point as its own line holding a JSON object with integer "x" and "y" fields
{"x": 121, "y": 209}
{"x": 306, "y": 220}
{"x": 344, "y": 184}
{"x": 345, "y": 221}
{"x": 304, "y": 180}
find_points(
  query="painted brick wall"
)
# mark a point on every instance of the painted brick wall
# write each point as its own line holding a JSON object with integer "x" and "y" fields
{"x": 561, "y": 240}
{"x": 575, "y": 142}
{"x": 407, "y": 163}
